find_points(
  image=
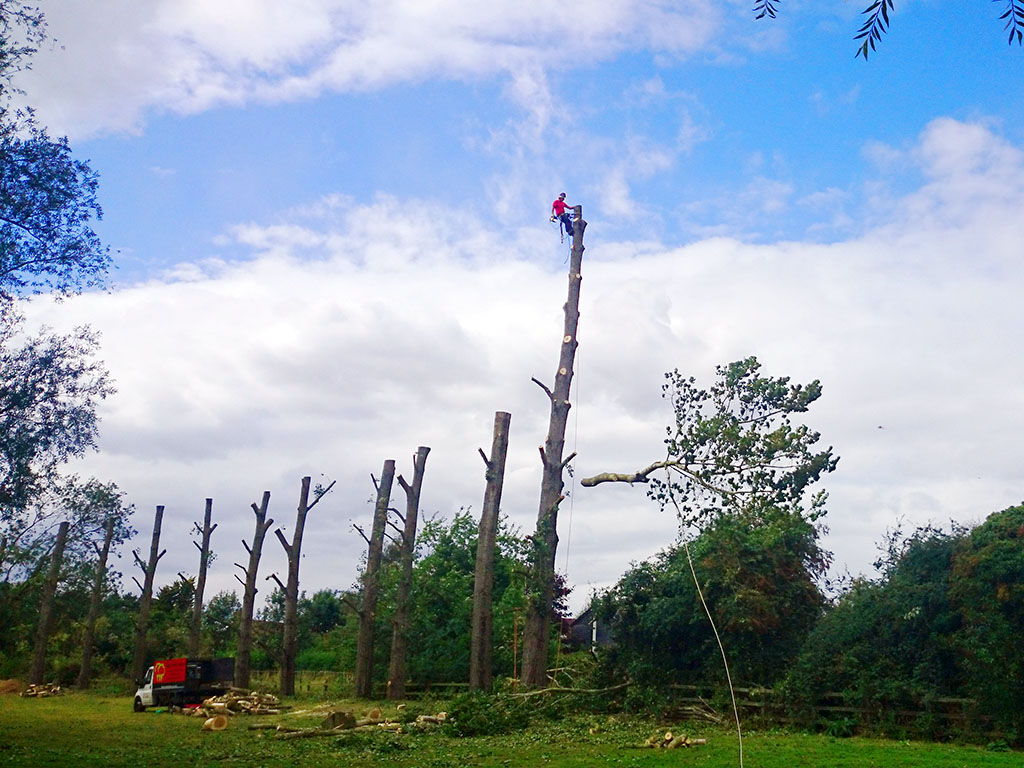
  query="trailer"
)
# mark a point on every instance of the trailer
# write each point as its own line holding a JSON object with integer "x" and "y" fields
{"x": 183, "y": 681}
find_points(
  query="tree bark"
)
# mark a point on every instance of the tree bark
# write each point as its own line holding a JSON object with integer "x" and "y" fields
{"x": 407, "y": 548}
{"x": 85, "y": 672}
{"x": 481, "y": 648}
{"x": 46, "y": 607}
{"x": 243, "y": 652}
{"x": 204, "y": 561}
{"x": 289, "y": 642}
{"x": 149, "y": 570}
{"x": 541, "y": 584}
{"x": 371, "y": 584}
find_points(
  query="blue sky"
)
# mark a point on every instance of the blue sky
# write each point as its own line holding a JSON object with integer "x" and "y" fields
{"x": 333, "y": 246}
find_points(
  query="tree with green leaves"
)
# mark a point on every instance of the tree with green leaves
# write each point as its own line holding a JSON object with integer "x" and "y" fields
{"x": 50, "y": 384}
{"x": 876, "y": 21}
{"x": 220, "y": 623}
{"x": 941, "y": 620}
{"x": 47, "y": 198}
{"x": 759, "y": 572}
{"x": 49, "y": 393}
{"x": 733, "y": 447}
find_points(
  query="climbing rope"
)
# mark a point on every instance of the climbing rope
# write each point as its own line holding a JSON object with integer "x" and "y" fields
{"x": 711, "y": 620}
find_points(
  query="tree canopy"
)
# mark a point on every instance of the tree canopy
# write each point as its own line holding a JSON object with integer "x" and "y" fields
{"x": 733, "y": 447}
{"x": 47, "y": 197}
{"x": 759, "y": 572}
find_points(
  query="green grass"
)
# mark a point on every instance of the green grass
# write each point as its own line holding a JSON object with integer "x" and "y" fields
{"x": 102, "y": 731}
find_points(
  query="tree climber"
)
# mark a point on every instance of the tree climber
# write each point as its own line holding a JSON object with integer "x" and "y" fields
{"x": 559, "y": 213}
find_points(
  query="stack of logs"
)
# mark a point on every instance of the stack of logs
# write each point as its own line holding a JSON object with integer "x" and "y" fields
{"x": 240, "y": 702}
{"x": 41, "y": 691}
{"x": 668, "y": 740}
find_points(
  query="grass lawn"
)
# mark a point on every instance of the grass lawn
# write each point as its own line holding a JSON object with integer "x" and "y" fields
{"x": 102, "y": 731}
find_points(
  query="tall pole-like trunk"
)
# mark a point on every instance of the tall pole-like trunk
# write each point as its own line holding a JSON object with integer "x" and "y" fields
{"x": 85, "y": 672}
{"x": 243, "y": 652}
{"x": 149, "y": 570}
{"x": 204, "y": 561}
{"x": 481, "y": 648}
{"x": 400, "y": 622}
{"x": 46, "y": 607}
{"x": 371, "y": 584}
{"x": 541, "y": 592}
{"x": 289, "y": 643}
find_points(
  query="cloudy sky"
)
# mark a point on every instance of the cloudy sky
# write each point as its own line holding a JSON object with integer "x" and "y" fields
{"x": 332, "y": 242}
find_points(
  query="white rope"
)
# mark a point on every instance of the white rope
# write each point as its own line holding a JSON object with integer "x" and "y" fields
{"x": 711, "y": 620}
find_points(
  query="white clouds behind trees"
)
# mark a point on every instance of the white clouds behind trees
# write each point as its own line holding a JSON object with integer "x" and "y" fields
{"x": 357, "y": 332}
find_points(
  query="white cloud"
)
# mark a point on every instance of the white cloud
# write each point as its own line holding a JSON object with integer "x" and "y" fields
{"x": 120, "y": 58}
{"x": 357, "y": 333}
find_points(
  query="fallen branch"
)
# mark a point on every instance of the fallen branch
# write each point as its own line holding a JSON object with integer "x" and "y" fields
{"x": 558, "y": 689}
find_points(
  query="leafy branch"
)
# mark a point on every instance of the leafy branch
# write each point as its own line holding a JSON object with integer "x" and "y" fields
{"x": 872, "y": 29}
{"x": 877, "y": 22}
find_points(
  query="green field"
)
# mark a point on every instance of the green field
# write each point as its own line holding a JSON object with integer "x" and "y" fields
{"x": 92, "y": 730}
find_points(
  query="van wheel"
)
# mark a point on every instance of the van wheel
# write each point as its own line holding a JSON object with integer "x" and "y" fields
{"x": 138, "y": 705}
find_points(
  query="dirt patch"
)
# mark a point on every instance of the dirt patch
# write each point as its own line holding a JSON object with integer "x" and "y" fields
{"x": 11, "y": 686}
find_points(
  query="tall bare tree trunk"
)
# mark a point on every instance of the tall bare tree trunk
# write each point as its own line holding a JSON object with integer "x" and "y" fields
{"x": 400, "y": 622}
{"x": 204, "y": 561}
{"x": 243, "y": 652}
{"x": 371, "y": 584}
{"x": 46, "y": 607}
{"x": 481, "y": 648}
{"x": 289, "y": 642}
{"x": 85, "y": 672}
{"x": 541, "y": 591}
{"x": 149, "y": 569}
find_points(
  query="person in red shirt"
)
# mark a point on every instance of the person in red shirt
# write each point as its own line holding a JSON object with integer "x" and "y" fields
{"x": 559, "y": 213}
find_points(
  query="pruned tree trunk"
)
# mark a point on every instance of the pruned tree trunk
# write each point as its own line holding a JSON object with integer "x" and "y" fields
{"x": 481, "y": 648}
{"x": 541, "y": 585}
{"x": 149, "y": 571}
{"x": 204, "y": 561}
{"x": 243, "y": 652}
{"x": 407, "y": 547}
{"x": 289, "y": 643}
{"x": 371, "y": 584}
{"x": 85, "y": 672}
{"x": 46, "y": 607}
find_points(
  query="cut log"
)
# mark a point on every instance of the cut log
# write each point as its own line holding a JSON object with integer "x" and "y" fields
{"x": 215, "y": 723}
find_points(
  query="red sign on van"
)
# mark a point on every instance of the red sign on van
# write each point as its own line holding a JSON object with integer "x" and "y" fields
{"x": 169, "y": 671}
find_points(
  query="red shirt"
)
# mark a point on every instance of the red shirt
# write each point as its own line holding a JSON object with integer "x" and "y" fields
{"x": 559, "y": 206}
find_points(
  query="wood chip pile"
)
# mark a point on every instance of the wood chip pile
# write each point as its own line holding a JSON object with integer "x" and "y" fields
{"x": 240, "y": 703}
{"x": 41, "y": 691}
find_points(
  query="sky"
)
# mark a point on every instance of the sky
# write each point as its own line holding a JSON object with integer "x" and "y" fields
{"x": 330, "y": 226}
